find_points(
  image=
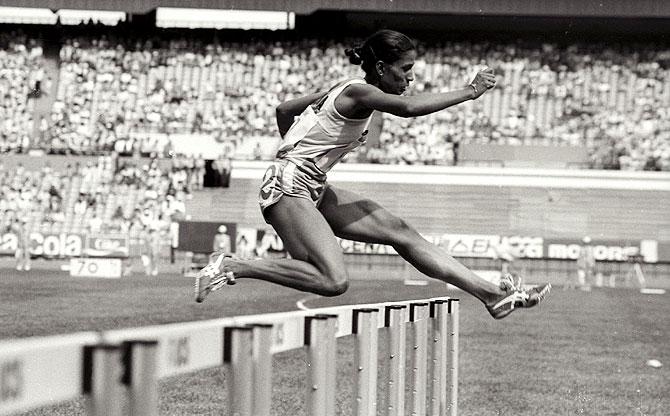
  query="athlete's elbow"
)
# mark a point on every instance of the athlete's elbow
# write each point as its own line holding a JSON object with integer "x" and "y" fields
{"x": 281, "y": 111}
{"x": 406, "y": 110}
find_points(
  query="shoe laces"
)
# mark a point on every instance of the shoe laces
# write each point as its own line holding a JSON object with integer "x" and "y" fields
{"x": 512, "y": 284}
{"x": 508, "y": 283}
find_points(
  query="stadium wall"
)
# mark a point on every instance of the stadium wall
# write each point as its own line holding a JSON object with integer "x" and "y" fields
{"x": 542, "y": 202}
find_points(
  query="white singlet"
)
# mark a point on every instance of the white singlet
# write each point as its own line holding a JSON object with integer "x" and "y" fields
{"x": 318, "y": 139}
{"x": 321, "y": 135}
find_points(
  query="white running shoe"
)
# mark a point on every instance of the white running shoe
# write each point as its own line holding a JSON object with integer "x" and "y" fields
{"x": 211, "y": 278}
{"x": 516, "y": 297}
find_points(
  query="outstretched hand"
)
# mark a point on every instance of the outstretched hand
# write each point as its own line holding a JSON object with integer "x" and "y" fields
{"x": 483, "y": 81}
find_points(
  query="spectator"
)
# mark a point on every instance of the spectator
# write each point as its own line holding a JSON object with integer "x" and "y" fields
{"x": 222, "y": 242}
{"x": 80, "y": 205}
{"x": 199, "y": 172}
{"x": 225, "y": 167}
{"x": 19, "y": 227}
{"x": 151, "y": 241}
{"x": 585, "y": 266}
{"x": 95, "y": 223}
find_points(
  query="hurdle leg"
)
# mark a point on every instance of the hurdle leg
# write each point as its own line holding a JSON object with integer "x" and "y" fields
{"x": 395, "y": 323}
{"x": 320, "y": 340}
{"x": 438, "y": 396}
{"x": 101, "y": 386}
{"x": 141, "y": 377}
{"x": 418, "y": 316}
{"x": 262, "y": 371}
{"x": 452, "y": 310}
{"x": 237, "y": 355}
{"x": 331, "y": 364}
{"x": 365, "y": 361}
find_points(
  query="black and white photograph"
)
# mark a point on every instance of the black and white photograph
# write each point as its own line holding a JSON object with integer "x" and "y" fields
{"x": 334, "y": 208}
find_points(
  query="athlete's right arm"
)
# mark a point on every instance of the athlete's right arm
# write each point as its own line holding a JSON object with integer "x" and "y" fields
{"x": 368, "y": 97}
{"x": 372, "y": 98}
{"x": 288, "y": 110}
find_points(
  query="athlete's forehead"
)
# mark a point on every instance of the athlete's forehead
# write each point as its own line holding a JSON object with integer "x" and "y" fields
{"x": 406, "y": 58}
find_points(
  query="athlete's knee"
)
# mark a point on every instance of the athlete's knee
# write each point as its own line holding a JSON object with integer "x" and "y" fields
{"x": 334, "y": 278}
{"x": 334, "y": 288}
{"x": 335, "y": 282}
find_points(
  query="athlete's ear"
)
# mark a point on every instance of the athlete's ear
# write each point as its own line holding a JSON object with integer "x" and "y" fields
{"x": 380, "y": 68}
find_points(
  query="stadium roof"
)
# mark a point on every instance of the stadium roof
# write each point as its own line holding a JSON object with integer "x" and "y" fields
{"x": 565, "y": 8}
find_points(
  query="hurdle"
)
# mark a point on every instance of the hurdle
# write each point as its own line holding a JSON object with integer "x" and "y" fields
{"x": 114, "y": 367}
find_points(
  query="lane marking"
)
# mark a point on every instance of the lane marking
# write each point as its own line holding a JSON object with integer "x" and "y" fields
{"x": 649, "y": 291}
{"x": 301, "y": 303}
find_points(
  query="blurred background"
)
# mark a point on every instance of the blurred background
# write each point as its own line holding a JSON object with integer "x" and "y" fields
{"x": 132, "y": 130}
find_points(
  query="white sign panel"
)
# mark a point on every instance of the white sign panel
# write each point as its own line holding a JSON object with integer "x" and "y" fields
{"x": 40, "y": 372}
{"x": 96, "y": 267}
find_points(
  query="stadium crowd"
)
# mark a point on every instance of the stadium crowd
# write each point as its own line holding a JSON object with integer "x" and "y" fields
{"x": 110, "y": 196}
{"x": 613, "y": 100}
{"x": 21, "y": 76}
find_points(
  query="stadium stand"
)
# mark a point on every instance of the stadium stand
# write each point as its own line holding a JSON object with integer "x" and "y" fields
{"x": 20, "y": 76}
{"x": 106, "y": 196}
{"x": 609, "y": 103}
{"x": 583, "y": 96}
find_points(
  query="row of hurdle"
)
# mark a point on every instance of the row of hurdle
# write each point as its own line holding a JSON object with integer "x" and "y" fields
{"x": 117, "y": 372}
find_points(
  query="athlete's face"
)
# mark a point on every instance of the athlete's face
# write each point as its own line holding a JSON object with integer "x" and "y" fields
{"x": 396, "y": 77}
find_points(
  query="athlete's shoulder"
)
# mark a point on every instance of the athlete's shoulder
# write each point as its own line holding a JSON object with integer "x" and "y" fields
{"x": 344, "y": 83}
{"x": 358, "y": 86}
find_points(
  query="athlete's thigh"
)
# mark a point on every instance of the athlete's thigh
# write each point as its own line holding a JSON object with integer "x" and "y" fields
{"x": 305, "y": 233}
{"x": 355, "y": 217}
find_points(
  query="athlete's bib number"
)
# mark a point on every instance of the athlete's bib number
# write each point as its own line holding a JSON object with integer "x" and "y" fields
{"x": 269, "y": 180}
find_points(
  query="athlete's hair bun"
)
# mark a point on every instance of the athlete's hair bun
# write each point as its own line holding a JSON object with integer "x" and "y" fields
{"x": 354, "y": 55}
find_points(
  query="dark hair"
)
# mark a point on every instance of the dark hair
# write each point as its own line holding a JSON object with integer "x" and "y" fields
{"x": 385, "y": 45}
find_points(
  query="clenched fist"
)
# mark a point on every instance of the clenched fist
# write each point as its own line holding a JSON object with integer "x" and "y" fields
{"x": 483, "y": 81}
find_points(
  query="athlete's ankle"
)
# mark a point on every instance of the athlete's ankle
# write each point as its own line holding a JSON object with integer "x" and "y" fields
{"x": 491, "y": 298}
{"x": 235, "y": 265}
{"x": 492, "y": 294}
{"x": 222, "y": 266}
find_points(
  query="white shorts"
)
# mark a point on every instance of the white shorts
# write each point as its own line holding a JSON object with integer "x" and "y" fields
{"x": 284, "y": 177}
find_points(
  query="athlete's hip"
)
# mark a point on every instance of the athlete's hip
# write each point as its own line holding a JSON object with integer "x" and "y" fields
{"x": 285, "y": 177}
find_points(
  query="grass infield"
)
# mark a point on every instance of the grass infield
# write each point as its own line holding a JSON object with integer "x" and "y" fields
{"x": 578, "y": 353}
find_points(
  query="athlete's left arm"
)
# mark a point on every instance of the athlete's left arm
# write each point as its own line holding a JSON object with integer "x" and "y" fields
{"x": 288, "y": 110}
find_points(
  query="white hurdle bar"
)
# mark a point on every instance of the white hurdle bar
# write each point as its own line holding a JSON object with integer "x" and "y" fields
{"x": 111, "y": 366}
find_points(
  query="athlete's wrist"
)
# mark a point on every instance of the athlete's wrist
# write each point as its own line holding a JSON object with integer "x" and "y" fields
{"x": 473, "y": 87}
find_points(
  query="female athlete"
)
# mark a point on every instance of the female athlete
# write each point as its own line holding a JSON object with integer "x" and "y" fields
{"x": 307, "y": 212}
